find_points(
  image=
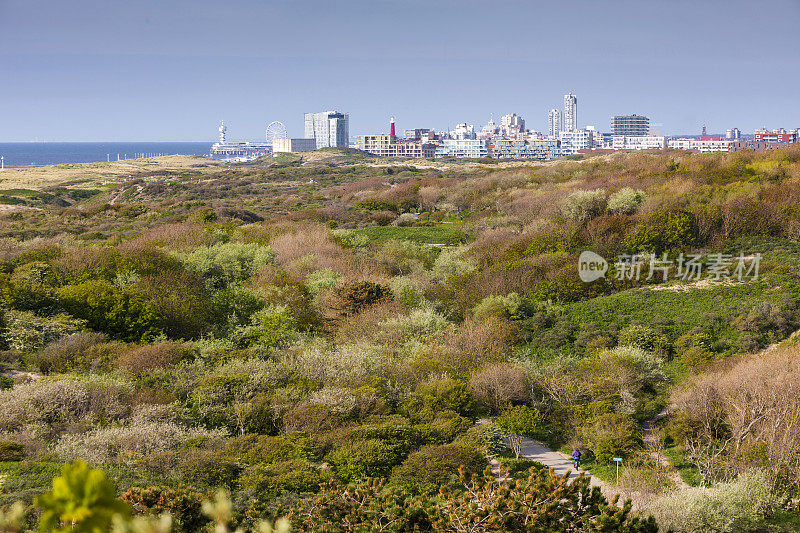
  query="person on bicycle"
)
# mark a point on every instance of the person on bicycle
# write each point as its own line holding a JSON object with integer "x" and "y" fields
{"x": 576, "y": 458}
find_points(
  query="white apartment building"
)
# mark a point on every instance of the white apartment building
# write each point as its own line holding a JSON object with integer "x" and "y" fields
{"x": 638, "y": 142}
{"x": 463, "y": 131}
{"x": 702, "y": 146}
{"x": 570, "y": 112}
{"x": 329, "y": 128}
{"x": 553, "y": 123}
{"x": 541, "y": 149}
{"x": 463, "y": 148}
{"x": 574, "y": 141}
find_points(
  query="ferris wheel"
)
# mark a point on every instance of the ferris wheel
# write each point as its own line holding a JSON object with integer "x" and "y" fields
{"x": 276, "y": 130}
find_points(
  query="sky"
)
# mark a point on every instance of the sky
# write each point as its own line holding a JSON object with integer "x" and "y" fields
{"x": 170, "y": 70}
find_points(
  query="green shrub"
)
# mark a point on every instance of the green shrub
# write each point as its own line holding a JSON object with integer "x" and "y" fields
{"x": 696, "y": 356}
{"x": 254, "y": 449}
{"x": 121, "y": 313}
{"x": 432, "y": 466}
{"x": 521, "y": 467}
{"x": 583, "y": 205}
{"x": 208, "y": 468}
{"x": 733, "y": 507}
{"x": 6, "y": 382}
{"x": 11, "y": 451}
{"x": 610, "y": 435}
{"x": 643, "y": 337}
{"x": 662, "y": 231}
{"x": 626, "y": 201}
{"x": 517, "y": 422}
{"x": 229, "y": 262}
{"x": 82, "y": 498}
{"x": 272, "y": 327}
{"x": 285, "y": 476}
{"x": 366, "y": 458}
{"x": 183, "y": 504}
{"x": 27, "y": 332}
{"x": 441, "y": 395}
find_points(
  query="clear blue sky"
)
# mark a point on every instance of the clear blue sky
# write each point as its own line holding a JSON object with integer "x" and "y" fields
{"x": 115, "y": 70}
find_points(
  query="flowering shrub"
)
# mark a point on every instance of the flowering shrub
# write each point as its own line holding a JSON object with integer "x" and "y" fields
{"x": 64, "y": 401}
{"x": 126, "y": 444}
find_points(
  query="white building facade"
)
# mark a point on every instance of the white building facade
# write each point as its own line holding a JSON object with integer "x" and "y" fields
{"x": 329, "y": 128}
{"x": 574, "y": 141}
{"x": 293, "y": 145}
{"x": 570, "y": 112}
{"x": 463, "y": 148}
{"x": 638, "y": 142}
{"x": 553, "y": 123}
{"x": 703, "y": 146}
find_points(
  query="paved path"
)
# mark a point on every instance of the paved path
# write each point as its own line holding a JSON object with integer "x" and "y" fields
{"x": 559, "y": 462}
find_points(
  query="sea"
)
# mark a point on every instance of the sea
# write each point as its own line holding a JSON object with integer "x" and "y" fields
{"x": 54, "y": 153}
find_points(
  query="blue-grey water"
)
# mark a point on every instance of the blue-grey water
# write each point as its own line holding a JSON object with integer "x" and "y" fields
{"x": 51, "y": 153}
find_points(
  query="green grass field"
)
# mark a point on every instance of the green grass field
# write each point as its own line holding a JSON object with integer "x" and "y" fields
{"x": 441, "y": 235}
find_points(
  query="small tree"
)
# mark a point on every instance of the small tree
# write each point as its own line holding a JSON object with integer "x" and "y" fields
{"x": 518, "y": 422}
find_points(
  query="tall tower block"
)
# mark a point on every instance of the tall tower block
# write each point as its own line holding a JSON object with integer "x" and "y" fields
{"x": 570, "y": 112}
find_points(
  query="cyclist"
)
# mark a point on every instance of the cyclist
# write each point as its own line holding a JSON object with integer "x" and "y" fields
{"x": 576, "y": 458}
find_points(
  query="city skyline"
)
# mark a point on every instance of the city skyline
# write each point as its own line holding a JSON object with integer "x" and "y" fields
{"x": 92, "y": 71}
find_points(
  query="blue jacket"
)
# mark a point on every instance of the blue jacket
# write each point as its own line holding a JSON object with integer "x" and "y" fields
{"x": 576, "y": 454}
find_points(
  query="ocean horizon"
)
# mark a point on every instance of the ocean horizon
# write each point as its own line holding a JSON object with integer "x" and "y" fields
{"x": 23, "y": 154}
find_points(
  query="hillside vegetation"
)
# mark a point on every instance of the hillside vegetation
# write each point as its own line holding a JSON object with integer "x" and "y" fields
{"x": 299, "y": 330}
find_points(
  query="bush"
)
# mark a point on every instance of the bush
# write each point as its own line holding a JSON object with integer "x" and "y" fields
{"x": 27, "y": 332}
{"x": 583, "y": 205}
{"x": 610, "y": 435}
{"x": 433, "y": 466}
{"x": 737, "y": 506}
{"x": 270, "y": 480}
{"x": 164, "y": 355}
{"x": 122, "y": 444}
{"x": 122, "y": 313}
{"x": 254, "y": 449}
{"x": 512, "y": 306}
{"x": 54, "y": 404}
{"x": 272, "y": 327}
{"x": 68, "y": 353}
{"x": 626, "y": 201}
{"x": 366, "y": 458}
{"x": 183, "y": 504}
{"x": 499, "y": 385}
{"x": 645, "y": 338}
{"x": 441, "y": 395}
{"x": 226, "y": 263}
{"x": 662, "y": 231}
{"x": 519, "y": 468}
{"x": 517, "y": 422}
{"x": 11, "y": 451}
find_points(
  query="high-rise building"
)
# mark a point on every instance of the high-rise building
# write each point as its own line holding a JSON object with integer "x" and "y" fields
{"x": 512, "y": 124}
{"x": 329, "y": 128}
{"x": 553, "y": 123}
{"x": 630, "y": 125}
{"x": 570, "y": 112}
{"x": 733, "y": 134}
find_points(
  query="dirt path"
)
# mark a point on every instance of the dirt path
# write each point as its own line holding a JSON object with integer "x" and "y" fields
{"x": 653, "y": 446}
